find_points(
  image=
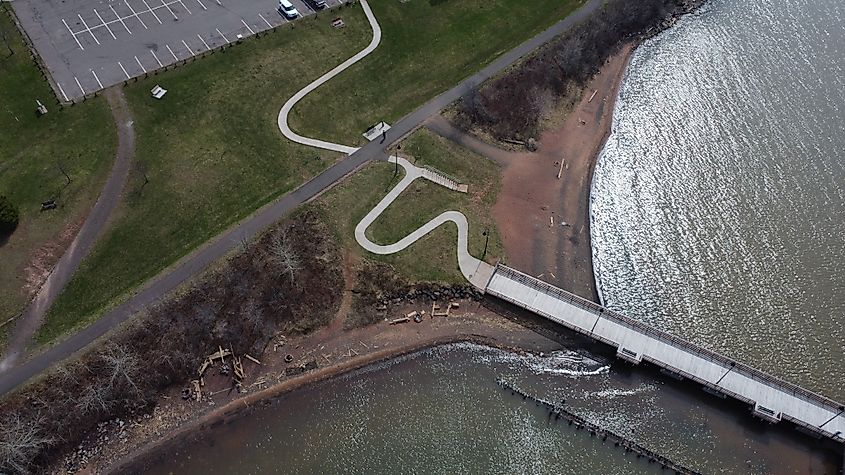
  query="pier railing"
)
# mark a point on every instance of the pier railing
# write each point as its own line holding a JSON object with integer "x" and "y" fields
{"x": 710, "y": 355}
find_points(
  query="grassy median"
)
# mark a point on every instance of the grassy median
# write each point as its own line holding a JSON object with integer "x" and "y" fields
{"x": 427, "y": 47}
{"x": 64, "y": 156}
{"x": 208, "y": 155}
{"x": 434, "y": 257}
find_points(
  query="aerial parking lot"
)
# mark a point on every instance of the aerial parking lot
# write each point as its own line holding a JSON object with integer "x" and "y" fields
{"x": 88, "y": 45}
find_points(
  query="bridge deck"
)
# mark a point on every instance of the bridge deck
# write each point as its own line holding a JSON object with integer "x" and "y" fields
{"x": 771, "y": 398}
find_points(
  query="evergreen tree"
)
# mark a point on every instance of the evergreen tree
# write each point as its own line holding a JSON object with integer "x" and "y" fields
{"x": 8, "y": 216}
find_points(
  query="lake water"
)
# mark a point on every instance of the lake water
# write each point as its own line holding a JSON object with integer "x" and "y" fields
{"x": 719, "y": 201}
{"x": 718, "y": 214}
{"x": 441, "y": 411}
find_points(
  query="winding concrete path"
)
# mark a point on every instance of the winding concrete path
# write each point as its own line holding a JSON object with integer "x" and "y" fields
{"x": 285, "y": 111}
{"x": 198, "y": 260}
{"x": 33, "y": 315}
{"x": 477, "y": 272}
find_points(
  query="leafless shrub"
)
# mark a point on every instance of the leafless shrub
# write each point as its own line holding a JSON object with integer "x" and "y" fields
{"x": 253, "y": 316}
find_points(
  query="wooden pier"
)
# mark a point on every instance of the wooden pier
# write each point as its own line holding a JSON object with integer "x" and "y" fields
{"x": 769, "y": 398}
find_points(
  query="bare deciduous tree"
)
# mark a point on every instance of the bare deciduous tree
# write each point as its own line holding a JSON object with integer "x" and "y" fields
{"x": 285, "y": 257}
{"x": 94, "y": 399}
{"x": 508, "y": 106}
{"x": 123, "y": 366}
{"x": 21, "y": 440}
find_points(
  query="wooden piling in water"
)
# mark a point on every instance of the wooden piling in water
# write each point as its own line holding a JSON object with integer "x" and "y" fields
{"x": 581, "y": 423}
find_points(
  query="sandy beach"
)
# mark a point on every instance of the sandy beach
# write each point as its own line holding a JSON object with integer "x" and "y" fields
{"x": 543, "y": 210}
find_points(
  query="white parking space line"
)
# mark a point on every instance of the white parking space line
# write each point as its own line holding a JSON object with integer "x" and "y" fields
{"x": 152, "y": 11}
{"x": 221, "y": 34}
{"x": 203, "y": 42}
{"x": 121, "y": 20}
{"x": 62, "y": 90}
{"x": 86, "y": 27}
{"x": 242, "y": 21}
{"x": 157, "y": 60}
{"x": 172, "y": 53}
{"x": 124, "y": 70}
{"x": 73, "y": 34}
{"x": 218, "y": 2}
{"x": 265, "y": 20}
{"x": 136, "y": 14}
{"x": 98, "y": 79}
{"x": 185, "y": 7}
{"x": 105, "y": 24}
{"x": 202, "y": 5}
{"x": 190, "y": 52}
{"x": 168, "y": 9}
{"x": 139, "y": 64}
{"x": 80, "y": 85}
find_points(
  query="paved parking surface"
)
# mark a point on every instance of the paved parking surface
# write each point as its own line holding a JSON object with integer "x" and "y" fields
{"x": 88, "y": 45}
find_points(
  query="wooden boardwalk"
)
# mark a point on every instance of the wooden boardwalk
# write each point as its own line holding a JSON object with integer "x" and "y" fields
{"x": 770, "y": 398}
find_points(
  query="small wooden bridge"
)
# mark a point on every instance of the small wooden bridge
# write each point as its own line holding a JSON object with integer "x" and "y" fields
{"x": 770, "y": 398}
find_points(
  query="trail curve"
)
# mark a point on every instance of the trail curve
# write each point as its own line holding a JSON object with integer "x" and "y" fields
{"x": 477, "y": 272}
{"x": 285, "y": 111}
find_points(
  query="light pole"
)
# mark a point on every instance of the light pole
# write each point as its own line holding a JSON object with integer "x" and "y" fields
{"x": 396, "y": 170}
{"x": 486, "y": 235}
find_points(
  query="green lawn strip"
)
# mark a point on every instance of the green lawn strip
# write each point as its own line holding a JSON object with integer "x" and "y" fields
{"x": 212, "y": 152}
{"x": 434, "y": 257}
{"x": 34, "y": 152}
{"x": 427, "y": 46}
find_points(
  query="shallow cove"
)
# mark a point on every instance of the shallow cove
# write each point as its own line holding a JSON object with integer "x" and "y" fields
{"x": 718, "y": 210}
{"x": 441, "y": 411}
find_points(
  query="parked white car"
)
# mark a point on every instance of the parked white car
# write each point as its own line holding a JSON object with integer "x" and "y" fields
{"x": 287, "y": 9}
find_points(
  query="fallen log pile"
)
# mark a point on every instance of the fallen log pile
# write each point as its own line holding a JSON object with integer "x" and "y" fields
{"x": 235, "y": 369}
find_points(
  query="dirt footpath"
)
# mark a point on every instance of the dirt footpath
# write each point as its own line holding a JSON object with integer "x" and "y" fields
{"x": 54, "y": 281}
{"x": 544, "y": 220}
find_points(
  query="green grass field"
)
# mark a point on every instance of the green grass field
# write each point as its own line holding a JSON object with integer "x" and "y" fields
{"x": 80, "y": 140}
{"x": 427, "y": 47}
{"x": 432, "y": 258}
{"x": 213, "y": 154}
{"x": 211, "y": 148}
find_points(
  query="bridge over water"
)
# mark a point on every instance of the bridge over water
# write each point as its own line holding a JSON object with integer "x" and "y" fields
{"x": 770, "y": 398}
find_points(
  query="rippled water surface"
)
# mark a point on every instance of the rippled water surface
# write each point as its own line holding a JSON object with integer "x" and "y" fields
{"x": 719, "y": 214}
{"x": 441, "y": 411}
{"x": 719, "y": 201}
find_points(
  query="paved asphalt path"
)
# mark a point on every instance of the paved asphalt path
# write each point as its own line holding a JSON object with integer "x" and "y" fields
{"x": 33, "y": 315}
{"x": 197, "y": 261}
